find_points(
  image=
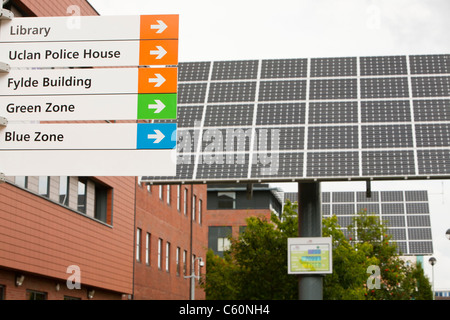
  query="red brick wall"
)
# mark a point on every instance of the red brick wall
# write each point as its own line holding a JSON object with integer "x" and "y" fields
{"x": 51, "y": 8}
{"x": 49, "y": 286}
{"x": 41, "y": 237}
{"x": 166, "y": 222}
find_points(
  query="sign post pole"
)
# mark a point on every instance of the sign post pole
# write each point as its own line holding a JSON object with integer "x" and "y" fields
{"x": 310, "y": 287}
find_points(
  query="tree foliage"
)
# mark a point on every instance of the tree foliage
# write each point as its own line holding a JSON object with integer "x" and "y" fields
{"x": 255, "y": 267}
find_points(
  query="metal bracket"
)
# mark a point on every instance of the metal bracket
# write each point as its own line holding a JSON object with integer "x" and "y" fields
{"x": 249, "y": 191}
{"x": 4, "y": 67}
{"x": 368, "y": 189}
{"x": 6, "y": 14}
{"x": 3, "y": 122}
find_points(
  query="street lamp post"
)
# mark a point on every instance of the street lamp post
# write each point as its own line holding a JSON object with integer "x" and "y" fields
{"x": 432, "y": 261}
{"x": 193, "y": 276}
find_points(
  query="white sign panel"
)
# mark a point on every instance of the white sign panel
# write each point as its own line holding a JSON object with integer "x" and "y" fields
{"x": 88, "y": 162}
{"x": 89, "y": 54}
{"x": 69, "y": 107}
{"x": 84, "y": 136}
{"x": 86, "y": 28}
{"x": 88, "y": 81}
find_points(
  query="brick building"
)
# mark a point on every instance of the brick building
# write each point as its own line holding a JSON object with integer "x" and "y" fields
{"x": 167, "y": 216}
{"x": 113, "y": 236}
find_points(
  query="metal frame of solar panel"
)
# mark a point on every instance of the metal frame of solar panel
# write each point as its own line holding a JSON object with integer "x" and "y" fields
{"x": 358, "y": 118}
{"x": 405, "y": 214}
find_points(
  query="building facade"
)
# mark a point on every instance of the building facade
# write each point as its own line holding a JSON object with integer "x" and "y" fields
{"x": 171, "y": 239}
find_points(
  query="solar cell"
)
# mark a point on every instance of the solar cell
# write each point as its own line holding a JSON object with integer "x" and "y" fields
{"x": 333, "y": 89}
{"x": 380, "y": 66}
{"x": 229, "y": 115}
{"x": 227, "y": 70}
{"x": 333, "y": 112}
{"x": 318, "y": 118}
{"x": 193, "y": 71}
{"x": 280, "y": 113}
{"x": 385, "y": 111}
{"x": 232, "y": 92}
{"x": 333, "y": 67}
{"x": 421, "y": 247}
{"x": 430, "y": 64}
{"x": 282, "y": 90}
{"x": 384, "y": 88}
{"x": 432, "y": 110}
{"x": 284, "y": 68}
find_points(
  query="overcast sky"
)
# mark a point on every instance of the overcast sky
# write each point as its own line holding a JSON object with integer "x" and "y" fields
{"x": 261, "y": 29}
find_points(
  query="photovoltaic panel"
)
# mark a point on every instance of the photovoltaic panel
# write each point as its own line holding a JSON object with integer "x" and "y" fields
{"x": 381, "y": 66}
{"x": 405, "y": 214}
{"x": 357, "y": 118}
{"x": 284, "y": 68}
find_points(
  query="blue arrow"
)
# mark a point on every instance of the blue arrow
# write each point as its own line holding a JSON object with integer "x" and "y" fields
{"x": 156, "y": 136}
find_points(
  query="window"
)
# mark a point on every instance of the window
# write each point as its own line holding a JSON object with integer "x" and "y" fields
{"x": 2, "y": 292}
{"x": 184, "y": 262}
{"x": 177, "y": 260}
{"x": 223, "y": 244}
{"x": 200, "y": 211}
{"x": 82, "y": 188}
{"x": 193, "y": 207}
{"x": 178, "y": 197}
{"x": 159, "y": 253}
{"x": 226, "y": 200}
{"x": 138, "y": 244}
{"x": 71, "y": 298}
{"x": 185, "y": 201}
{"x": 147, "y": 248}
{"x": 168, "y": 194}
{"x": 36, "y": 295}
{"x": 64, "y": 190}
{"x": 218, "y": 239}
{"x": 167, "y": 256}
{"x": 44, "y": 186}
{"x": 101, "y": 202}
{"x": 160, "y": 191}
{"x": 22, "y": 181}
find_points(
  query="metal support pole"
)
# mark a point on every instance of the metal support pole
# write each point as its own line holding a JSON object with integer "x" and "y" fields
{"x": 310, "y": 287}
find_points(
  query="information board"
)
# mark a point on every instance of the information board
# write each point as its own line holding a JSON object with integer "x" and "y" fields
{"x": 310, "y": 255}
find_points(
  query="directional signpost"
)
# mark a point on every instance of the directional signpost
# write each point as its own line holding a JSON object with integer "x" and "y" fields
{"x": 44, "y": 82}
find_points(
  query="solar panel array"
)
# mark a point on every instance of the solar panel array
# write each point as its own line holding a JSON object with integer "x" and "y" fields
{"x": 405, "y": 214}
{"x": 313, "y": 118}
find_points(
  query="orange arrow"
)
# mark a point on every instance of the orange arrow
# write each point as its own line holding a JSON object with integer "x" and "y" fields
{"x": 158, "y": 52}
{"x": 157, "y": 80}
{"x": 159, "y": 26}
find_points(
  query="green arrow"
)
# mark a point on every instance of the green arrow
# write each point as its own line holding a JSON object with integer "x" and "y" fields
{"x": 157, "y": 106}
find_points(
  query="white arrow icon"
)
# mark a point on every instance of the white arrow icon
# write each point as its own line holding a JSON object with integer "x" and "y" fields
{"x": 159, "y": 80}
{"x": 161, "y": 26}
{"x": 158, "y": 136}
{"x": 159, "y": 106}
{"x": 159, "y": 53}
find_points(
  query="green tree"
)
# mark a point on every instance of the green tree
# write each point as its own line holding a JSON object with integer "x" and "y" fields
{"x": 350, "y": 265}
{"x": 255, "y": 267}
